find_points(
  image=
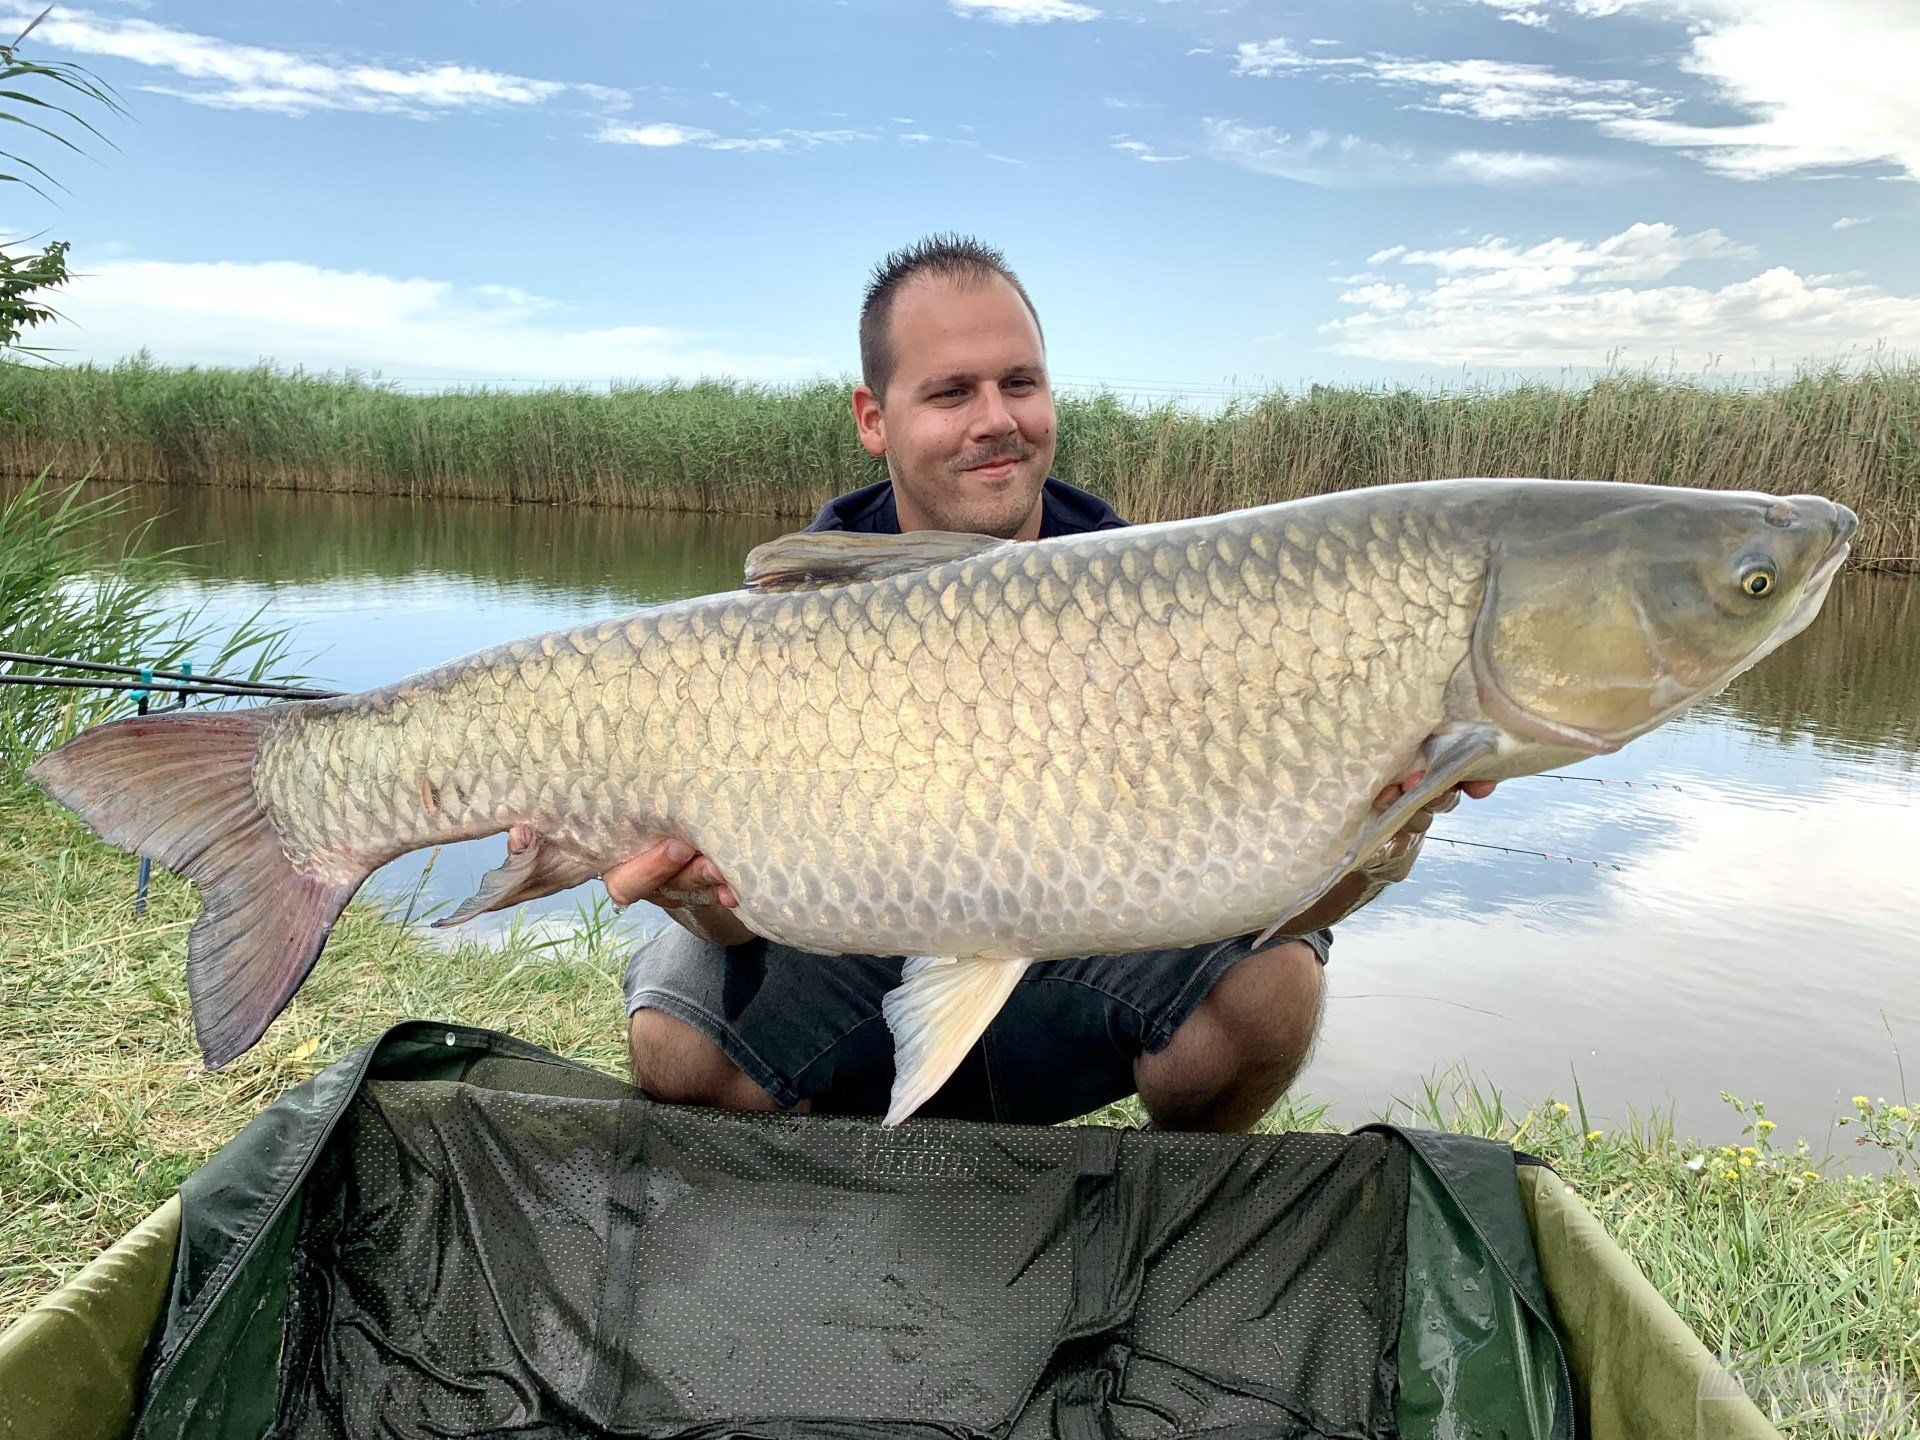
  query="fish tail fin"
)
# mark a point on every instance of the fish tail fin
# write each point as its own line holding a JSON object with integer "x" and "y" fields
{"x": 178, "y": 789}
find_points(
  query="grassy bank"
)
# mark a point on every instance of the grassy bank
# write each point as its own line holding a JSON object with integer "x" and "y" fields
{"x": 1767, "y": 1252}
{"x": 722, "y": 447}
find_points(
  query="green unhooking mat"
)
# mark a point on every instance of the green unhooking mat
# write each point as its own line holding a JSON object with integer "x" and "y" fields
{"x": 451, "y": 1233}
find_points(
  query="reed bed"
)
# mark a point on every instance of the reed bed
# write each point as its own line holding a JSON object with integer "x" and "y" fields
{"x": 726, "y": 447}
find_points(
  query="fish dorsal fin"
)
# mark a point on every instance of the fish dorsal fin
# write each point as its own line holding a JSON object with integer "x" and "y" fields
{"x": 811, "y": 561}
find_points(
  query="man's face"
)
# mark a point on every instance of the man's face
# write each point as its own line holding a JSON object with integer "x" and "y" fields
{"x": 967, "y": 423}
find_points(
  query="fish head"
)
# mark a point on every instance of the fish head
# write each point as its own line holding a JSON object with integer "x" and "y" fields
{"x": 1610, "y": 614}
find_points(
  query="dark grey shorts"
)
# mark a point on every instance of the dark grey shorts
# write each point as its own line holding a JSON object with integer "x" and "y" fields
{"x": 809, "y": 1027}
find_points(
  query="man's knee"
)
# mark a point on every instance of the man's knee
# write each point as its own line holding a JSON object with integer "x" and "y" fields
{"x": 674, "y": 1062}
{"x": 1241, "y": 1047}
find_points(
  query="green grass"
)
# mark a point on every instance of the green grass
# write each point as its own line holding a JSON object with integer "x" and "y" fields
{"x": 718, "y": 446}
{"x": 1785, "y": 1260}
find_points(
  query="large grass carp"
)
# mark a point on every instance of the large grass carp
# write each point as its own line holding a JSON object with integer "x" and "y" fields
{"x": 977, "y": 752}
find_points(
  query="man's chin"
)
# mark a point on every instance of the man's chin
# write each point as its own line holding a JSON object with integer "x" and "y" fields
{"x": 999, "y": 504}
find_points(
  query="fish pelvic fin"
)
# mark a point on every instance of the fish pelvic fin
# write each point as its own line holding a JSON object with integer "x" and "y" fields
{"x": 178, "y": 789}
{"x": 942, "y": 1005}
{"x": 541, "y": 869}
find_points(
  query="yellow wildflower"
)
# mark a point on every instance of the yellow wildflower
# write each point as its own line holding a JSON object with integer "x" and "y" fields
{"x": 1861, "y": 1101}
{"x": 1763, "y": 1126}
{"x": 1728, "y": 1151}
{"x": 1560, "y": 1109}
{"x": 1809, "y": 1174}
{"x": 1748, "y": 1150}
{"x": 1595, "y": 1134}
{"x": 1729, "y": 1174}
{"x": 1746, "y": 1161}
{"x": 1899, "y": 1112}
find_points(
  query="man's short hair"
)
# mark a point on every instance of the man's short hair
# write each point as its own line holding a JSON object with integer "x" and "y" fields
{"x": 959, "y": 258}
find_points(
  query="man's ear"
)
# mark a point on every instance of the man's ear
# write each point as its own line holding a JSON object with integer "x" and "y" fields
{"x": 869, "y": 420}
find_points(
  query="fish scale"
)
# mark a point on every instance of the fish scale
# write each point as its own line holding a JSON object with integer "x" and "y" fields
{"x": 977, "y": 753}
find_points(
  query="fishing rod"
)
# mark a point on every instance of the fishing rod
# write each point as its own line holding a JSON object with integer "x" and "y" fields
{"x": 147, "y": 678}
{"x": 167, "y": 687}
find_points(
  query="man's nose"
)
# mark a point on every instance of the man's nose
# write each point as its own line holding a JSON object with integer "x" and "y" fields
{"x": 991, "y": 416}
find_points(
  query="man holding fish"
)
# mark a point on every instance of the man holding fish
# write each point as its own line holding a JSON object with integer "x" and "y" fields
{"x": 994, "y": 749}
{"x": 955, "y": 398}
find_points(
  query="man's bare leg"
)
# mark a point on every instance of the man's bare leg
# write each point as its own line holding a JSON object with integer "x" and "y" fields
{"x": 1241, "y": 1047}
{"x": 674, "y": 1062}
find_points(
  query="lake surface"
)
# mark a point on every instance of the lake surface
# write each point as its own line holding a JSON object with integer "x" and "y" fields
{"x": 1755, "y": 926}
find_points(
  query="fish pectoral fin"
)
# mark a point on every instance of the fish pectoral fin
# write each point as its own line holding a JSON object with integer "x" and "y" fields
{"x": 543, "y": 868}
{"x": 942, "y": 1005}
{"x": 810, "y": 561}
{"x": 1451, "y": 754}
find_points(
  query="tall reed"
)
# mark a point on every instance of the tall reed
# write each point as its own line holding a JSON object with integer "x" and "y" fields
{"x": 65, "y": 594}
{"x": 719, "y": 446}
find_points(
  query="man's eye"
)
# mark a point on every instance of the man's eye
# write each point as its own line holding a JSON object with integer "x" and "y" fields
{"x": 1021, "y": 382}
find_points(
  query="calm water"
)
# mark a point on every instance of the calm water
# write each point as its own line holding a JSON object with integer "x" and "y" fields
{"x": 1756, "y": 929}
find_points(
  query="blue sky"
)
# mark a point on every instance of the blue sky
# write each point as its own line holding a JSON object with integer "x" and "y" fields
{"x": 1200, "y": 194}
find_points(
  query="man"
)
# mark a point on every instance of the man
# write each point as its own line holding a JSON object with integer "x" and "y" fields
{"x": 954, "y": 396}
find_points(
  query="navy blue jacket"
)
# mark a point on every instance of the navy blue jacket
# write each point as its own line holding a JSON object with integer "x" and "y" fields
{"x": 1064, "y": 510}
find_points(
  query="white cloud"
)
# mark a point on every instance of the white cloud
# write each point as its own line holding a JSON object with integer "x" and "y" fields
{"x": 1481, "y": 89}
{"x": 1524, "y": 167}
{"x": 1521, "y": 12}
{"x": 1847, "y": 222}
{"x": 233, "y": 313}
{"x": 1570, "y": 302}
{"x": 1827, "y": 84}
{"x": 256, "y": 77}
{"x": 1822, "y": 85}
{"x": 665, "y": 135}
{"x": 659, "y": 134}
{"x": 1140, "y": 150}
{"x": 1336, "y": 161}
{"x": 1023, "y": 12}
{"x": 1315, "y": 158}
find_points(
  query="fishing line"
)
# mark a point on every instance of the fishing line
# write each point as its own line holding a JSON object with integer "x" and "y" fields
{"x": 1536, "y": 854}
{"x": 1611, "y": 780}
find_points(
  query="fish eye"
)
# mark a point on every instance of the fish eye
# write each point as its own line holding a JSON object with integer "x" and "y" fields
{"x": 1757, "y": 581}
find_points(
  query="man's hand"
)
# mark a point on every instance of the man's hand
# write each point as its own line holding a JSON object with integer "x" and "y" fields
{"x": 674, "y": 876}
{"x": 1392, "y": 861}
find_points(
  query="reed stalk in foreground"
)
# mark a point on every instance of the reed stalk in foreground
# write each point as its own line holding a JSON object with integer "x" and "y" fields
{"x": 719, "y": 446}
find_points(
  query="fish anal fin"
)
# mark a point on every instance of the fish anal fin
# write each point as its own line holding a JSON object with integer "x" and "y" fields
{"x": 178, "y": 789}
{"x": 812, "y": 561}
{"x": 543, "y": 868}
{"x": 942, "y": 1005}
{"x": 1450, "y": 756}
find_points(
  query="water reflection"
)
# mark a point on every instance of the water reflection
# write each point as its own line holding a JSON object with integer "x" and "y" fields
{"x": 1760, "y": 934}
